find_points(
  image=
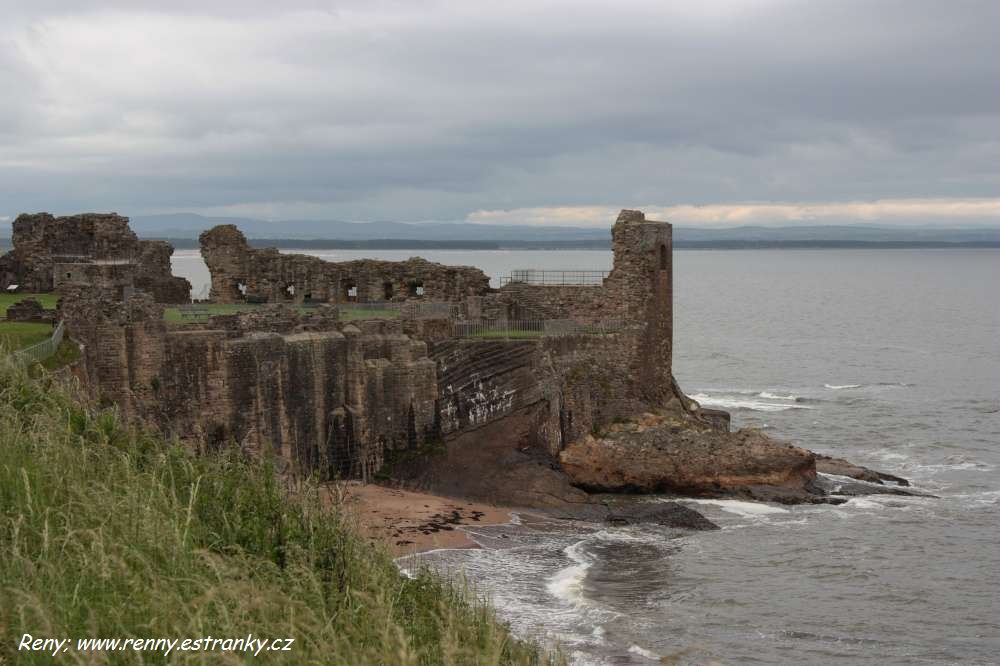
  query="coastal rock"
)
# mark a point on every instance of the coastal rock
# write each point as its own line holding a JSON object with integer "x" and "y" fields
{"x": 674, "y": 455}
{"x": 841, "y": 467}
{"x": 669, "y": 514}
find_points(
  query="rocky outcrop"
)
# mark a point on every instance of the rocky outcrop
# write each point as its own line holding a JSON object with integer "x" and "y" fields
{"x": 242, "y": 273}
{"x": 841, "y": 467}
{"x": 672, "y": 454}
{"x": 49, "y": 249}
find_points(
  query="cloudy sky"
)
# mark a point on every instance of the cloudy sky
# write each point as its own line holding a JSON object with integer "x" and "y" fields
{"x": 715, "y": 113}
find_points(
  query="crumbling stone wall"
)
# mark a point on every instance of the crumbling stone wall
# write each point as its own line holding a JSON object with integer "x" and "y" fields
{"x": 42, "y": 242}
{"x": 638, "y": 291}
{"x": 332, "y": 400}
{"x": 240, "y": 272}
{"x": 30, "y": 310}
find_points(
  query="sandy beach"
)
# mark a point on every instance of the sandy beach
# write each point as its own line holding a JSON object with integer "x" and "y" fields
{"x": 411, "y": 522}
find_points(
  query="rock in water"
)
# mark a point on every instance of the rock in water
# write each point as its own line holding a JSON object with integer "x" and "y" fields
{"x": 841, "y": 467}
{"x": 669, "y": 514}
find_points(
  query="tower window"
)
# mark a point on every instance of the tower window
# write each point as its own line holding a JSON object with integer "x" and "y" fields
{"x": 663, "y": 257}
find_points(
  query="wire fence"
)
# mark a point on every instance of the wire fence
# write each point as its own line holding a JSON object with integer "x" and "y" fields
{"x": 555, "y": 278}
{"x": 534, "y": 328}
{"x": 40, "y": 350}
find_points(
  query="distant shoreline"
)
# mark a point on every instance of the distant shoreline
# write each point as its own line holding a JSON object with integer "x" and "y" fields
{"x": 413, "y": 244}
{"x": 402, "y": 244}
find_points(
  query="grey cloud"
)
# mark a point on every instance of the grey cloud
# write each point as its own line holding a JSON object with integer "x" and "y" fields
{"x": 432, "y": 111}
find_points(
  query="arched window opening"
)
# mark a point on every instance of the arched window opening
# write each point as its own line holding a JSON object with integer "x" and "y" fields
{"x": 387, "y": 290}
{"x": 417, "y": 288}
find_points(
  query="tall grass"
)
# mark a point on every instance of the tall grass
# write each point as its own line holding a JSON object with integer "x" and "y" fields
{"x": 108, "y": 531}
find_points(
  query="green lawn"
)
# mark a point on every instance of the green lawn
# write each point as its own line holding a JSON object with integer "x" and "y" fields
{"x": 210, "y": 309}
{"x": 351, "y": 314}
{"x": 508, "y": 334}
{"x": 6, "y": 300}
{"x": 16, "y": 334}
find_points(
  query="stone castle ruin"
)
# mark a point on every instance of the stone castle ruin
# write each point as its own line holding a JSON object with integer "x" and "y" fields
{"x": 472, "y": 400}
{"x": 90, "y": 249}
{"x": 242, "y": 273}
{"x": 472, "y": 414}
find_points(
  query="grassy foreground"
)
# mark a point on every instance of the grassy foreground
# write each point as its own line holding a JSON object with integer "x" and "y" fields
{"x": 106, "y": 532}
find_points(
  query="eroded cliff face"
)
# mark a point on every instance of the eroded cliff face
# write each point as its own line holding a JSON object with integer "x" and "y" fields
{"x": 331, "y": 400}
{"x": 86, "y": 246}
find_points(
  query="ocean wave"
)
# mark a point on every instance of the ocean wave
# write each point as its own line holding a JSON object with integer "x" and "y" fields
{"x": 741, "y": 508}
{"x": 567, "y": 583}
{"x": 880, "y": 385}
{"x": 642, "y": 652}
{"x": 775, "y": 396}
{"x": 745, "y": 403}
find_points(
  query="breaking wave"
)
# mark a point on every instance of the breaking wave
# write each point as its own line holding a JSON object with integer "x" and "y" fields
{"x": 567, "y": 584}
{"x": 756, "y": 402}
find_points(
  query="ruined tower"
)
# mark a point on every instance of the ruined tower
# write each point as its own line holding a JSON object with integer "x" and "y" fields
{"x": 642, "y": 281}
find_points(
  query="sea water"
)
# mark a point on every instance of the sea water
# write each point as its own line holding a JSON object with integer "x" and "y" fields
{"x": 890, "y": 358}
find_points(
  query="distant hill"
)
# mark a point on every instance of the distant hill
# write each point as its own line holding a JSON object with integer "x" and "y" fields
{"x": 189, "y": 225}
{"x": 182, "y": 229}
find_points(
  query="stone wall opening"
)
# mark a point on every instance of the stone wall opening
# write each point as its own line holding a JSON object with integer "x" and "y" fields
{"x": 387, "y": 290}
{"x": 663, "y": 257}
{"x": 417, "y": 288}
{"x": 350, "y": 290}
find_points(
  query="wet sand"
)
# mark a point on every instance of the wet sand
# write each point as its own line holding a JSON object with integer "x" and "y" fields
{"x": 412, "y": 522}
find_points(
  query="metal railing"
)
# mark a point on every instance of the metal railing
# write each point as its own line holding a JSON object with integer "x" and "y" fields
{"x": 40, "y": 350}
{"x": 555, "y": 278}
{"x": 534, "y": 328}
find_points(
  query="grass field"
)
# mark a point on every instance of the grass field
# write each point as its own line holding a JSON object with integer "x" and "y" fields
{"x": 210, "y": 309}
{"x": 6, "y": 300}
{"x": 16, "y": 334}
{"x": 173, "y": 315}
{"x": 513, "y": 334}
{"x": 108, "y": 531}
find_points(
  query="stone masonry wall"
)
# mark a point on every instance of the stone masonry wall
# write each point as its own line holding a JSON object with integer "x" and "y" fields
{"x": 331, "y": 401}
{"x": 43, "y": 241}
{"x": 240, "y": 272}
{"x": 638, "y": 291}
